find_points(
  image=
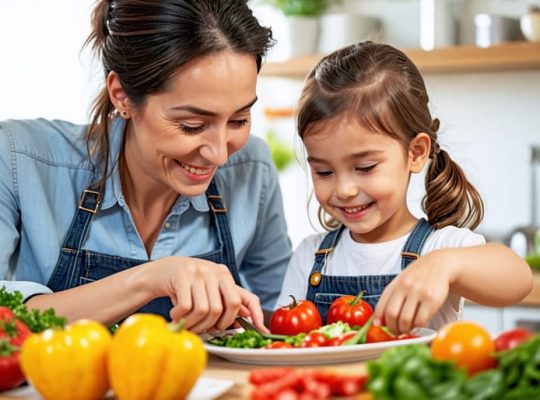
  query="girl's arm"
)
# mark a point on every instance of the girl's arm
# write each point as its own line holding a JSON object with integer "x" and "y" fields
{"x": 489, "y": 274}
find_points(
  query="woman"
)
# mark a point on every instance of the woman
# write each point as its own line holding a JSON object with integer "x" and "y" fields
{"x": 163, "y": 203}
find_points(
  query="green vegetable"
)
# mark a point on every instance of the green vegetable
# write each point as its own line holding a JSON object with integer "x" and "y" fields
{"x": 334, "y": 330}
{"x": 243, "y": 340}
{"x": 409, "y": 372}
{"x": 35, "y": 320}
{"x": 361, "y": 336}
{"x": 296, "y": 340}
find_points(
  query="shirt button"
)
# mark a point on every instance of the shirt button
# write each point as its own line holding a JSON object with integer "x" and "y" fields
{"x": 167, "y": 225}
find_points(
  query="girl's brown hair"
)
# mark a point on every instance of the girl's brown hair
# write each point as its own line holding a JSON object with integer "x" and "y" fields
{"x": 146, "y": 42}
{"x": 384, "y": 90}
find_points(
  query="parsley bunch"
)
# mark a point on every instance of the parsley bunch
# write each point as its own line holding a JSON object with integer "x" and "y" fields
{"x": 36, "y": 320}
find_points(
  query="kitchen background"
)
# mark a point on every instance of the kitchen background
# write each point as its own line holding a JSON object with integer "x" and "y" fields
{"x": 489, "y": 120}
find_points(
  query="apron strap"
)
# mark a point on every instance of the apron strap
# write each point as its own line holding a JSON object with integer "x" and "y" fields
{"x": 414, "y": 244}
{"x": 321, "y": 256}
{"x": 219, "y": 210}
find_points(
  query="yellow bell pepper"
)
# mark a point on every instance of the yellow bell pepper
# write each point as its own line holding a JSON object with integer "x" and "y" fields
{"x": 151, "y": 359}
{"x": 68, "y": 364}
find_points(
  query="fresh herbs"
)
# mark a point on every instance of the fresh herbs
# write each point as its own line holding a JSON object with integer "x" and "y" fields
{"x": 36, "y": 320}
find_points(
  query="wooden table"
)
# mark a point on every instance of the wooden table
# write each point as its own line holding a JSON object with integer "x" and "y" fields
{"x": 218, "y": 368}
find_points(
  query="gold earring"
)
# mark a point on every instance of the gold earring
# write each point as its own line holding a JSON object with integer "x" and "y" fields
{"x": 124, "y": 114}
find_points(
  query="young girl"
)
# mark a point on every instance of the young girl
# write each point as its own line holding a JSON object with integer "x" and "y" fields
{"x": 366, "y": 126}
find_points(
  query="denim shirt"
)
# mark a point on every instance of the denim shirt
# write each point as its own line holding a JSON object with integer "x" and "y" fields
{"x": 44, "y": 168}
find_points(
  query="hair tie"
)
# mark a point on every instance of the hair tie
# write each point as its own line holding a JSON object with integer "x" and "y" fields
{"x": 436, "y": 147}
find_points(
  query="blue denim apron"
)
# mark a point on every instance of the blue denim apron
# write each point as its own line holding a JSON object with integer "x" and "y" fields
{"x": 76, "y": 266}
{"x": 324, "y": 289}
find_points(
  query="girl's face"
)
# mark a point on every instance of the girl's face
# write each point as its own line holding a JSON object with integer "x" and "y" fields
{"x": 178, "y": 138}
{"x": 360, "y": 178}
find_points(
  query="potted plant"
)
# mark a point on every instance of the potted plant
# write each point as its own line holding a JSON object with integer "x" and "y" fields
{"x": 298, "y": 32}
{"x": 302, "y": 8}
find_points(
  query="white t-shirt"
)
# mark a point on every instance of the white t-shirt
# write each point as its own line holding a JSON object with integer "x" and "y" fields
{"x": 351, "y": 258}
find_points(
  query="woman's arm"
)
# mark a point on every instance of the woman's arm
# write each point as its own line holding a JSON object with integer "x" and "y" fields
{"x": 202, "y": 292}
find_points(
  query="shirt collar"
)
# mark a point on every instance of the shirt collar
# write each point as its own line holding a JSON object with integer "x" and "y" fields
{"x": 113, "y": 187}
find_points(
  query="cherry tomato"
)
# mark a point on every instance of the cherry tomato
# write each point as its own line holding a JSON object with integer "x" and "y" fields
{"x": 377, "y": 334}
{"x": 279, "y": 345}
{"x": 350, "y": 309}
{"x": 298, "y": 317}
{"x": 467, "y": 344}
{"x": 338, "y": 341}
{"x": 512, "y": 338}
{"x": 314, "y": 339}
{"x": 265, "y": 375}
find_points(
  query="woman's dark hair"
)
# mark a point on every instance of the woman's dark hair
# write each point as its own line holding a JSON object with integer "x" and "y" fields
{"x": 146, "y": 42}
{"x": 382, "y": 88}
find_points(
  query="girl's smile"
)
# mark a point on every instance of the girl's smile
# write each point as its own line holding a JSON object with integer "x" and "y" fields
{"x": 355, "y": 213}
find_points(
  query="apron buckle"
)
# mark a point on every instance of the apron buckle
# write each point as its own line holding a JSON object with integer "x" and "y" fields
{"x": 93, "y": 197}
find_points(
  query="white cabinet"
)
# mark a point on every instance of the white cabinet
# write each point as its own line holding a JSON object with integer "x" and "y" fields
{"x": 527, "y": 317}
{"x": 488, "y": 317}
{"x": 497, "y": 320}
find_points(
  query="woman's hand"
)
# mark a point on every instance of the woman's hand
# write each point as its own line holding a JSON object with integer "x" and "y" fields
{"x": 202, "y": 292}
{"x": 415, "y": 295}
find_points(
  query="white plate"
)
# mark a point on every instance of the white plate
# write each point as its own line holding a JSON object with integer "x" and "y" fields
{"x": 204, "y": 389}
{"x": 315, "y": 355}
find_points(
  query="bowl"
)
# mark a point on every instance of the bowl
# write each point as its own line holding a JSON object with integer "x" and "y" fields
{"x": 530, "y": 26}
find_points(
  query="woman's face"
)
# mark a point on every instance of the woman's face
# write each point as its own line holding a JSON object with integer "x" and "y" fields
{"x": 360, "y": 178}
{"x": 178, "y": 138}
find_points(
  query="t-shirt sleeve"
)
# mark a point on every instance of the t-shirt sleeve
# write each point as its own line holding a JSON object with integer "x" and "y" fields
{"x": 295, "y": 282}
{"x": 449, "y": 237}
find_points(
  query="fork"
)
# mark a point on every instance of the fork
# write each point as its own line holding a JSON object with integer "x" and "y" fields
{"x": 248, "y": 326}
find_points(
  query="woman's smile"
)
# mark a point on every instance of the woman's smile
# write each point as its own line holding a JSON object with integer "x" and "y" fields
{"x": 194, "y": 173}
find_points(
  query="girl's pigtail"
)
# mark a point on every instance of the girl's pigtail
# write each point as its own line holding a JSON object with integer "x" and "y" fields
{"x": 450, "y": 198}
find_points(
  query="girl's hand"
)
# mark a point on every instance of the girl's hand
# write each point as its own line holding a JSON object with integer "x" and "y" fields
{"x": 415, "y": 295}
{"x": 202, "y": 292}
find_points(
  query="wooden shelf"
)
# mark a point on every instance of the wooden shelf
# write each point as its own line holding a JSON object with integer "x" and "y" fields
{"x": 517, "y": 56}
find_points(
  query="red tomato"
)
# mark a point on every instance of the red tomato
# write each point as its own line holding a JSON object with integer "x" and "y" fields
{"x": 12, "y": 329}
{"x": 314, "y": 339}
{"x": 377, "y": 334}
{"x": 467, "y": 344}
{"x": 279, "y": 345}
{"x": 512, "y": 338}
{"x": 338, "y": 341}
{"x": 298, "y": 317}
{"x": 11, "y": 374}
{"x": 350, "y": 309}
